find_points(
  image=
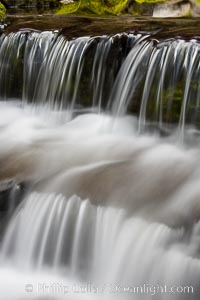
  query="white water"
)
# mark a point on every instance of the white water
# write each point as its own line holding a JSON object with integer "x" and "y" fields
{"x": 107, "y": 209}
{"x": 134, "y": 73}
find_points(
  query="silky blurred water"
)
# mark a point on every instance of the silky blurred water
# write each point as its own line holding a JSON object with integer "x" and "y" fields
{"x": 107, "y": 210}
{"x": 99, "y": 166}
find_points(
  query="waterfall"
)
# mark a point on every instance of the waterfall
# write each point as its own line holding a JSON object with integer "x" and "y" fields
{"x": 68, "y": 69}
{"x": 134, "y": 73}
{"x": 72, "y": 237}
{"x": 99, "y": 167}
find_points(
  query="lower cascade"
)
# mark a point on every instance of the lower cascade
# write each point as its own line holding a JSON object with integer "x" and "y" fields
{"x": 99, "y": 167}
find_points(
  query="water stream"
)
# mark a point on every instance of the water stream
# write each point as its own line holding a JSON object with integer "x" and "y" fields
{"x": 102, "y": 136}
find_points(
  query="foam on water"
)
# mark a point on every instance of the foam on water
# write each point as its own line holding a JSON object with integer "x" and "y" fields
{"x": 105, "y": 206}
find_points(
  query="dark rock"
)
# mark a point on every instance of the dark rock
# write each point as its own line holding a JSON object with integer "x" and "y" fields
{"x": 11, "y": 194}
{"x": 5, "y": 3}
{"x": 32, "y": 3}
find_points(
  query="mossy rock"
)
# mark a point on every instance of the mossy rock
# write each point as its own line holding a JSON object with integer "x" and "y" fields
{"x": 2, "y": 11}
{"x": 150, "y": 1}
{"x": 139, "y": 9}
{"x": 69, "y": 8}
{"x": 101, "y": 7}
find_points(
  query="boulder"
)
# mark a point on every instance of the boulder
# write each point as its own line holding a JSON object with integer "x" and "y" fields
{"x": 195, "y": 8}
{"x": 172, "y": 9}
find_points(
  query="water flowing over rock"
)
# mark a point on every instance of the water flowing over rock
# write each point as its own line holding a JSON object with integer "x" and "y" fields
{"x": 100, "y": 154}
{"x": 105, "y": 72}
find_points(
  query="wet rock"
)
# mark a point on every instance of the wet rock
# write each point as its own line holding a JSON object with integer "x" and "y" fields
{"x": 6, "y": 194}
{"x": 6, "y": 188}
{"x": 70, "y": 25}
{"x": 10, "y": 195}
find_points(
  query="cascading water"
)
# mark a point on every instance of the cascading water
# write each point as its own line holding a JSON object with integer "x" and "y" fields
{"x": 108, "y": 210}
{"x": 124, "y": 73}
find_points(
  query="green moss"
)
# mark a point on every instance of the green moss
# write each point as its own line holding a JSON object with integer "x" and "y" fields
{"x": 150, "y": 1}
{"x": 189, "y": 13}
{"x": 68, "y": 8}
{"x": 117, "y": 6}
{"x": 100, "y": 7}
{"x": 2, "y": 11}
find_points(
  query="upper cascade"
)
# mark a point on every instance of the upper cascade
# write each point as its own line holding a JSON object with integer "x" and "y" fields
{"x": 126, "y": 73}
